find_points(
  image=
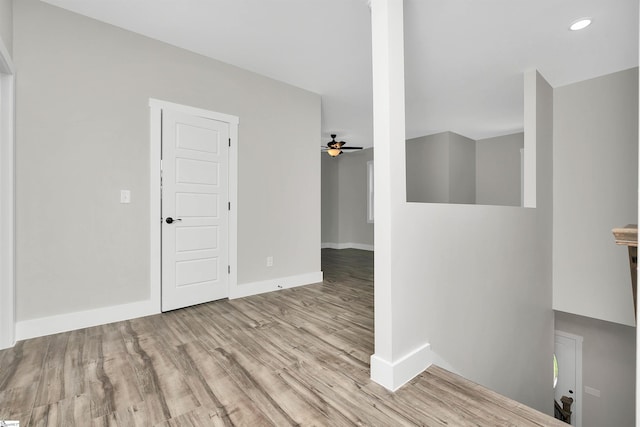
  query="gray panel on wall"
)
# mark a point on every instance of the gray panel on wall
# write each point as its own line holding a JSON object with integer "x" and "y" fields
{"x": 450, "y": 168}
{"x": 330, "y": 206}
{"x": 428, "y": 169}
{"x": 498, "y": 170}
{"x": 462, "y": 169}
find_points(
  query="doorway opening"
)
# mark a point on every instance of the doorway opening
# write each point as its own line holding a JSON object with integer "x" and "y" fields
{"x": 568, "y": 371}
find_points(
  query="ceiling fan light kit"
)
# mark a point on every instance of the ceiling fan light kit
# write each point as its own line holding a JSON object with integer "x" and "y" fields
{"x": 334, "y": 148}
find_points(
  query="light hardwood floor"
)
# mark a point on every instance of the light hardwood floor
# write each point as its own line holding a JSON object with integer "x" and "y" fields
{"x": 295, "y": 357}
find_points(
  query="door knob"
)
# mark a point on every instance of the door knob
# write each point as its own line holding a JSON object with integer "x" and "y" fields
{"x": 170, "y": 220}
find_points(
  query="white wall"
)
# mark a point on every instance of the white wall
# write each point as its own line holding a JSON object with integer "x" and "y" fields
{"x": 83, "y": 134}
{"x": 475, "y": 282}
{"x": 595, "y": 190}
{"x": 468, "y": 285}
{"x": 344, "y": 201}
{"x": 608, "y": 359}
{"x": 498, "y": 170}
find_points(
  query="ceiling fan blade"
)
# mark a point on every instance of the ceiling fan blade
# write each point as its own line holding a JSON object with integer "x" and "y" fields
{"x": 352, "y": 148}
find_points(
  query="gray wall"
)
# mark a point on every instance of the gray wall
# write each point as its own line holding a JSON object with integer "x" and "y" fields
{"x": 352, "y": 203}
{"x": 462, "y": 169}
{"x": 6, "y": 24}
{"x": 595, "y": 190}
{"x": 428, "y": 168}
{"x": 344, "y": 200}
{"x": 450, "y": 168}
{"x": 83, "y": 134}
{"x": 330, "y": 194}
{"x": 608, "y": 365}
{"x": 498, "y": 170}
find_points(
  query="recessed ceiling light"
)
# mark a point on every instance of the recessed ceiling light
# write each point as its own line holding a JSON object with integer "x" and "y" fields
{"x": 580, "y": 24}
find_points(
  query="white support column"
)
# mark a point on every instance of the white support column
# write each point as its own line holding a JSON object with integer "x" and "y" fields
{"x": 387, "y": 28}
{"x": 7, "y": 185}
{"x": 637, "y": 328}
{"x": 529, "y": 192}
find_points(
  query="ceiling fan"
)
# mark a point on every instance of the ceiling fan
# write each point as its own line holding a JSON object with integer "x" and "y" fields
{"x": 334, "y": 148}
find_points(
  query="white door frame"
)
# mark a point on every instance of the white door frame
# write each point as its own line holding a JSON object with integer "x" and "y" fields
{"x": 155, "y": 192}
{"x": 7, "y": 200}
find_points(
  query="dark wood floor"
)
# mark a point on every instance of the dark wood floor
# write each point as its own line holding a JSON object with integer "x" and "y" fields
{"x": 295, "y": 357}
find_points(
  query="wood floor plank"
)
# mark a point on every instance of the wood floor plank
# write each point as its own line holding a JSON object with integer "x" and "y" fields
{"x": 161, "y": 384}
{"x": 115, "y": 387}
{"x": 67, "y": 412}
{"x": 22, "y": 364}
{"x": 295, "y": 357}
{"x": 73, "y": 364}
{"x": 51, "y": 385}
{"x": 294, "y": 403}
{"x": 17, "y": 403}
{"x": 197, "y": 418}
{"x": 196, "y": 365}
{"x": 490, "y": 400}
{"x": 245, "y": 375}
{"x": 224, "y": 392}
{"x": 133, "y": 416}
{"x": 333, "y": 394}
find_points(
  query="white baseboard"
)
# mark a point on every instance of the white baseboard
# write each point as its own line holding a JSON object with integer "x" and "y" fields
{"x": 393, "y": 375}
{"x": 42, "y": 326}
{"x": 254, "y": 288}
{"x": 360, "y": 246}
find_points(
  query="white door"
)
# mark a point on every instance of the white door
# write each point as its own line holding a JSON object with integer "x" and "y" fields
{"x": 195, "y": 197}
{"x": 568, "y": 351}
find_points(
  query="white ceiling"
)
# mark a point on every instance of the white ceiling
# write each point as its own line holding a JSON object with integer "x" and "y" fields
{"x": 464, "y": 58}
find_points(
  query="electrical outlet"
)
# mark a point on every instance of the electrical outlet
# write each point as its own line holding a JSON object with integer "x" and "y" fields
{"x": 269, "y": 261}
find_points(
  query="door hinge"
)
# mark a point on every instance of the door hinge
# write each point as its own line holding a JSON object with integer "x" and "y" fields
{"x": 229, "y": 206}
{"x": 228, "y": 269}
{"x": 229, "y": 142}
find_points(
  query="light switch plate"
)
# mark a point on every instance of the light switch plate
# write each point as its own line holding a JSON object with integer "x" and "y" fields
{"x": 125, "y": 196}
